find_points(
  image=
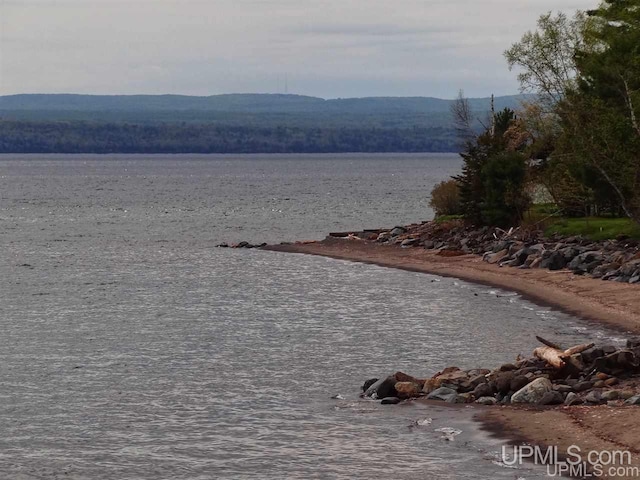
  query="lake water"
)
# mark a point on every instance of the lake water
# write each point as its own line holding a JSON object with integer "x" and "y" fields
{"x": 131, "y": 348}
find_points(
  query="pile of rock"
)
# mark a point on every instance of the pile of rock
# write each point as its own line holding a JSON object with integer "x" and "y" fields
{"x": 597, "y": 376}
{"x": 241, "y": 245}
{"x": 617, "y": 260}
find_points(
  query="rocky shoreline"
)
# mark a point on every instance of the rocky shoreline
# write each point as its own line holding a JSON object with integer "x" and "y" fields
{"x": 616, "y": 260}
{"x": 595, "y": 376}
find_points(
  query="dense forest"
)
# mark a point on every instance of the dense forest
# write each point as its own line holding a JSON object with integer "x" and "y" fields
{"x": 244, "y": 123}
{"x": 86, "y": 137}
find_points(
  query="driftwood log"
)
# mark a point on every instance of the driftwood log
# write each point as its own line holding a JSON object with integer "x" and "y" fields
{"x": 555, "y": 355}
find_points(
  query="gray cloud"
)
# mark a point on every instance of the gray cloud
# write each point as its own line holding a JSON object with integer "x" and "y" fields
{"x": 329, "y": 48}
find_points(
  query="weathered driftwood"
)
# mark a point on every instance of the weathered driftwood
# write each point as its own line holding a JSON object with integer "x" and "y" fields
{"x": 555, "y": 356}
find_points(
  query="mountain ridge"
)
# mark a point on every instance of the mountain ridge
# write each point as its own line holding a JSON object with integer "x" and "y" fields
{"x": 240, "y": 103}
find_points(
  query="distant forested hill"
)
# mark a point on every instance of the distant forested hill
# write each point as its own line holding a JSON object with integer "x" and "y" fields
{"x": 229, "y": 123}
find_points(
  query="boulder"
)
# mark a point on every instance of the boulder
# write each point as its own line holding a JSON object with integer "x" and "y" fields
{"x": 533, "y": 392}
{"x": 409, "y": 242}
{"x": 455, "y": 377}
{"x": 477, "y": 380}
{"x": 582, "y": 386}
{"x": 368, "y": 383}
{"x": 552, "y": 398}
{"x": 518, "y": 382}
{"x": 556, "y": 261}
{"x": 572, "y": 399}
{"x": 443, "y": 394}
{"x": 635, "y": 400}
{"x": 385, "y": 387}
{"x": 431, "y": 385}
{"x": 483, "y": 390}
{"x": 408, "y": 389}
{"x": 390, "y": 401}
{"x": 594, "y": 396}
{"x": 403, "y": 377}
{"x": 496, "y": 257}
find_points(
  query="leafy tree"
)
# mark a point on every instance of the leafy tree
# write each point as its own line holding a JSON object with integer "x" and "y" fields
{"x": 546, "y": 57}
{"x": 503, "y": 177}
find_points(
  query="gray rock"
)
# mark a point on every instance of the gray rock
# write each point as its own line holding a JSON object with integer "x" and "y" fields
{"x": 630, "y": 268}
{"x": 496, "y": 257}
{"x": 477, "y": 380}
{"x": 409, "y": 242}
{"x": 519, "y": 257}
{"x": 533, "y": 392}
{"x": 385, "y": 387}
{"x": 456, "y": 399}
{"x": 486, "y": 401}
{"x": 506, "y": 400}
{"x": 556, "y": 261}
{"x": 518, "y": 382}
{"x": 537, "y": 248}
{"x": 398, "y": 231}
{"x": 563, "y": 388}
{"x": 572, "y": 399}
{"x": 443, "y": 394}
{"x": 368, "y": 383}
{"x": 582, "y": 386}
{"x": 483, "y": 390}
{"x": 594, "y": 396}
{"x": 390, "y": 401}
{"x": 586, "y": 262}
{"x": 635, "y": 400}
{"x": 611, "y": 395}
{"x": 552, "y": 398}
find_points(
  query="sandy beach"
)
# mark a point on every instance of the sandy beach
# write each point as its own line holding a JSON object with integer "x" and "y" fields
{"x": 615, "y": 304}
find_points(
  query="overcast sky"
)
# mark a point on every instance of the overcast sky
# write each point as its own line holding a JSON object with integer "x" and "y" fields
{"x": 325, "y": 48}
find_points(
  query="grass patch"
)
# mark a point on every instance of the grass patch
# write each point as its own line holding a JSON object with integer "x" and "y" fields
{"x": 595, "y": 228}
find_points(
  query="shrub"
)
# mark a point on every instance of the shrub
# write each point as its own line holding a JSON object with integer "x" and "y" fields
{"x": 445, "y": 198}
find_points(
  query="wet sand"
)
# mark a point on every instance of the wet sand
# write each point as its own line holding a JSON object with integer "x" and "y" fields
{"x": 615, "y": 304}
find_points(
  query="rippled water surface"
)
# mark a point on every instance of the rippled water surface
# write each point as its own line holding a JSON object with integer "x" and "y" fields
{"x": 133, "y": 349}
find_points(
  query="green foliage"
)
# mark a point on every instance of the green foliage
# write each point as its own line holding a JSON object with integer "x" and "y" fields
{"x": 587, "y": 71}
{"x": 445, "y": 198}
{"x": 492, "y": 182}
{"x": 601, "y": 135}
{"x": 503, "y": 177}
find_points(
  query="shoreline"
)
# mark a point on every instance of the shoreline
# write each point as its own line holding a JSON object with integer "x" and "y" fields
{"x": 613, "y": 304}
{"x": 616, "y": 305}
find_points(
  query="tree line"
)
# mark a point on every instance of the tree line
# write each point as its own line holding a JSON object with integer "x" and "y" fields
{"x": 92, "y": 137}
